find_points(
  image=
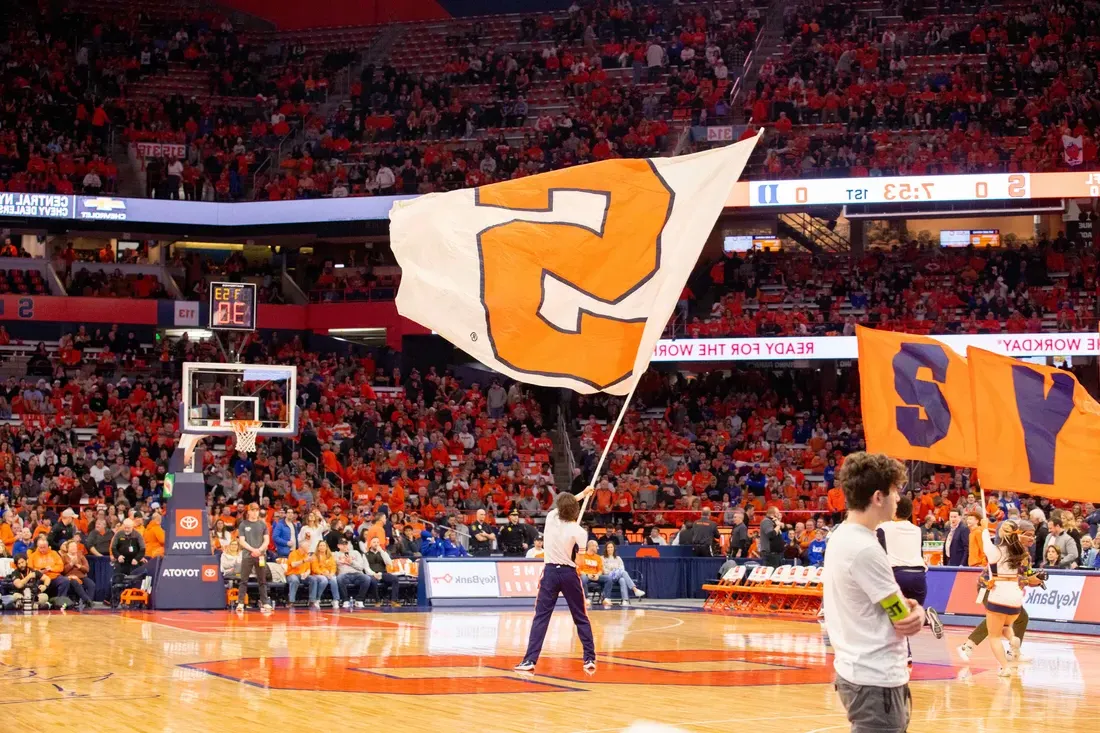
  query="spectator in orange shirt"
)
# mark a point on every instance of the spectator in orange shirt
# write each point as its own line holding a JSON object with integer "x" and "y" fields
{"x": 49, "y": 563}
{"x": 836, "y": 504}
{"x": 378, "y": 529}
{"x": 154, "y": 535}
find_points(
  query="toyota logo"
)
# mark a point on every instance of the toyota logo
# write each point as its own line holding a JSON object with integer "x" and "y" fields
{"x": 189, "y": 522}
{"x": 209, "y": 572}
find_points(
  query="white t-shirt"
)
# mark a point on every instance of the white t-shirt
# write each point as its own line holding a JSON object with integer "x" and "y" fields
{"x": 904, "y": 546}
{"x": 867, "y": 650}
{"x": 559, "y": 538}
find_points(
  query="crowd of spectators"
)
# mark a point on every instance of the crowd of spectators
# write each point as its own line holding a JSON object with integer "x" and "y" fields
{"x": 430, "y": 454}
{"x": 971, "y": 88}
{"x": 560, "y": 97}
{"x": 1050, "y": 285}
{"x": 99, "y": 283}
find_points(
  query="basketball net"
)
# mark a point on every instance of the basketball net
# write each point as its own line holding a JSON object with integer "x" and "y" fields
{"x": 245, "y": 430}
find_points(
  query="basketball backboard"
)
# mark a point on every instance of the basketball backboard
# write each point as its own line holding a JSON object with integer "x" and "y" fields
{"x": 216, "y": 394}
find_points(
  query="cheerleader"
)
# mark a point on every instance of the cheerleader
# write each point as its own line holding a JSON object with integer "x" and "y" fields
{"x": 1003, "y": 594}
{"x": 1032, "y": 577}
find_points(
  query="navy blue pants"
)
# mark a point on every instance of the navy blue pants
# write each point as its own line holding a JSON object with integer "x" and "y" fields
{"x": 561, "y": 579}
{"x": 913, "y": 583}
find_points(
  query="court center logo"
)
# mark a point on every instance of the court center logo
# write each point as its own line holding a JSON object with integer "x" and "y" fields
{"x": 430, "y": 674}
{"x": 189, "y": 522}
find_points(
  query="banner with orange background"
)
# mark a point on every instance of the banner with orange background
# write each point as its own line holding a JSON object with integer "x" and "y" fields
{"x": 915, "y": 393}
{"x": 1038, "y": 429}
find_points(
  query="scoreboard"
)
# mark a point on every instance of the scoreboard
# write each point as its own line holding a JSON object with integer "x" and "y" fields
{"x": 232, "y": 306}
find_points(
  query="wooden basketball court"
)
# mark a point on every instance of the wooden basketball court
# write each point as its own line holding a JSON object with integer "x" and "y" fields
{"x": 181, "y": 672}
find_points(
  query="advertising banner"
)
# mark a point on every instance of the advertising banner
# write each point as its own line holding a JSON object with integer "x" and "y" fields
{"x": 519, "y": 579}
{"x": 192, "y": 582}
{"x": 187, "y": 527}
{"x": 36, "y": 205}
{"x": 1069, "y": 596}
{"x": 844, "y": 347}
{"x": 475, "y": 579}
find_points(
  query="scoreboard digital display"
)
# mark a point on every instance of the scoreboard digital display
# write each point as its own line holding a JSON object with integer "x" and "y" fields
{"x": 751, "y": 243}
{"x": 232, "y": 306}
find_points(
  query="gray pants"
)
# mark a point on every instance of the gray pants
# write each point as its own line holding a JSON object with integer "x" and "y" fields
{"x": 250, "y": 565}
{"x": 876, "y": 709}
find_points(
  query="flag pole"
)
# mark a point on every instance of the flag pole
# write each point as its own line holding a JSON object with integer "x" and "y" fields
{"x": 610, "y": 440}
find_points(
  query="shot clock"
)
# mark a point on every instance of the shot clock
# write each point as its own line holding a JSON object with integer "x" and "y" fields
{"x": 232, "y": 306}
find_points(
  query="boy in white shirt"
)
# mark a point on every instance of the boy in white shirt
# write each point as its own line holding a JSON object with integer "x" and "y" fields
{"x": 866, "y": 615}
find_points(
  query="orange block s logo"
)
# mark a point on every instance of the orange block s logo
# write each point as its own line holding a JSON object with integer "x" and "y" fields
{"x": 544, "y": 260}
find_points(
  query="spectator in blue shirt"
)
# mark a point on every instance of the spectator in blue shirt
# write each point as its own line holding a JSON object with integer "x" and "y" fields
{"x": 23, "y": 545}
{"x": 816, "y": 551}
{"x": 284, "y": 533}
{"x": 451, "y": 548}
{"x": 428, "y": 545}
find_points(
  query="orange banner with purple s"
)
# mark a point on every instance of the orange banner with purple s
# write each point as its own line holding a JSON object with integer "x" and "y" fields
{"x": 915, "y": 393}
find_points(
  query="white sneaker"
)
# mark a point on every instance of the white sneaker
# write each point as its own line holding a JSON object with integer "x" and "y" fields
{"x": 964, "y": 651}
{"x": 240, "y": 608}
{"x": 267, "y": 608}
{"x": 607, "y": 603}
{"x": 336, "y": 605}
{"x": 524, "y": 666}
{"x": 315, "y": 604}
{"x": 934, "y": 622}
{"x": 1015, "y": 655}
{"x": 359, "y": 604}
{"x": 626, "y": 603}
{"x": 639, "y": 592}
{"x": 346, "y": 604}
{"x": 590, "y": 666}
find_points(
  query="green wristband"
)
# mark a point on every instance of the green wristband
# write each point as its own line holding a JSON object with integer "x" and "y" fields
{"x": 895, "y": 606}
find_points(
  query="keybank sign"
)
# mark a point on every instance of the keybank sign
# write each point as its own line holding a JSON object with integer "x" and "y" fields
{"x": 1058, "y": 601}
{"x": 463, "y": 579}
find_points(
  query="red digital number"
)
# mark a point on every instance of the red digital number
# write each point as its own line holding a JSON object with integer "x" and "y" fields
{"x": 239, "y": 311}
{"x": 223, "y": 314}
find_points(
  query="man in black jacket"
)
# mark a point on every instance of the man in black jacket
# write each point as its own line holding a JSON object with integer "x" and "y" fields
{"x": 739, "y": 536}
{"x": 481, "y": 536}
{"x": 407, "y": 545}
{"x": 127, "y": 557}
{"x": 956, "y": 546}
{"x": 771, "y": 538}
{"x": 64, "y": 530}
{"x": 515, "y": 538}
{"x": 704, "y": 535}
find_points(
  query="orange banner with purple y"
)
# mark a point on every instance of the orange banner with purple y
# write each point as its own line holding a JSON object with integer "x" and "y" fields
{"x": 1038, "y": 429}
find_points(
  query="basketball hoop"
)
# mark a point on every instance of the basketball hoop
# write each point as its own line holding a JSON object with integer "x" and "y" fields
{"x": 245, "y": 430}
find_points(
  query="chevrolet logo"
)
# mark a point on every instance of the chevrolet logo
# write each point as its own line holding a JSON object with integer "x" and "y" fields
{"x": 105, "y": 204}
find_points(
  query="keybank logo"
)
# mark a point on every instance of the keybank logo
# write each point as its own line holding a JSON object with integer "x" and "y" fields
{"x": 475, "y": 579}
{"x": 1054, "y": 599}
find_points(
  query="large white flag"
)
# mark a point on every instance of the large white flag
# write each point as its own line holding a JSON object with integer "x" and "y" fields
{"x": 567, "y": 278}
